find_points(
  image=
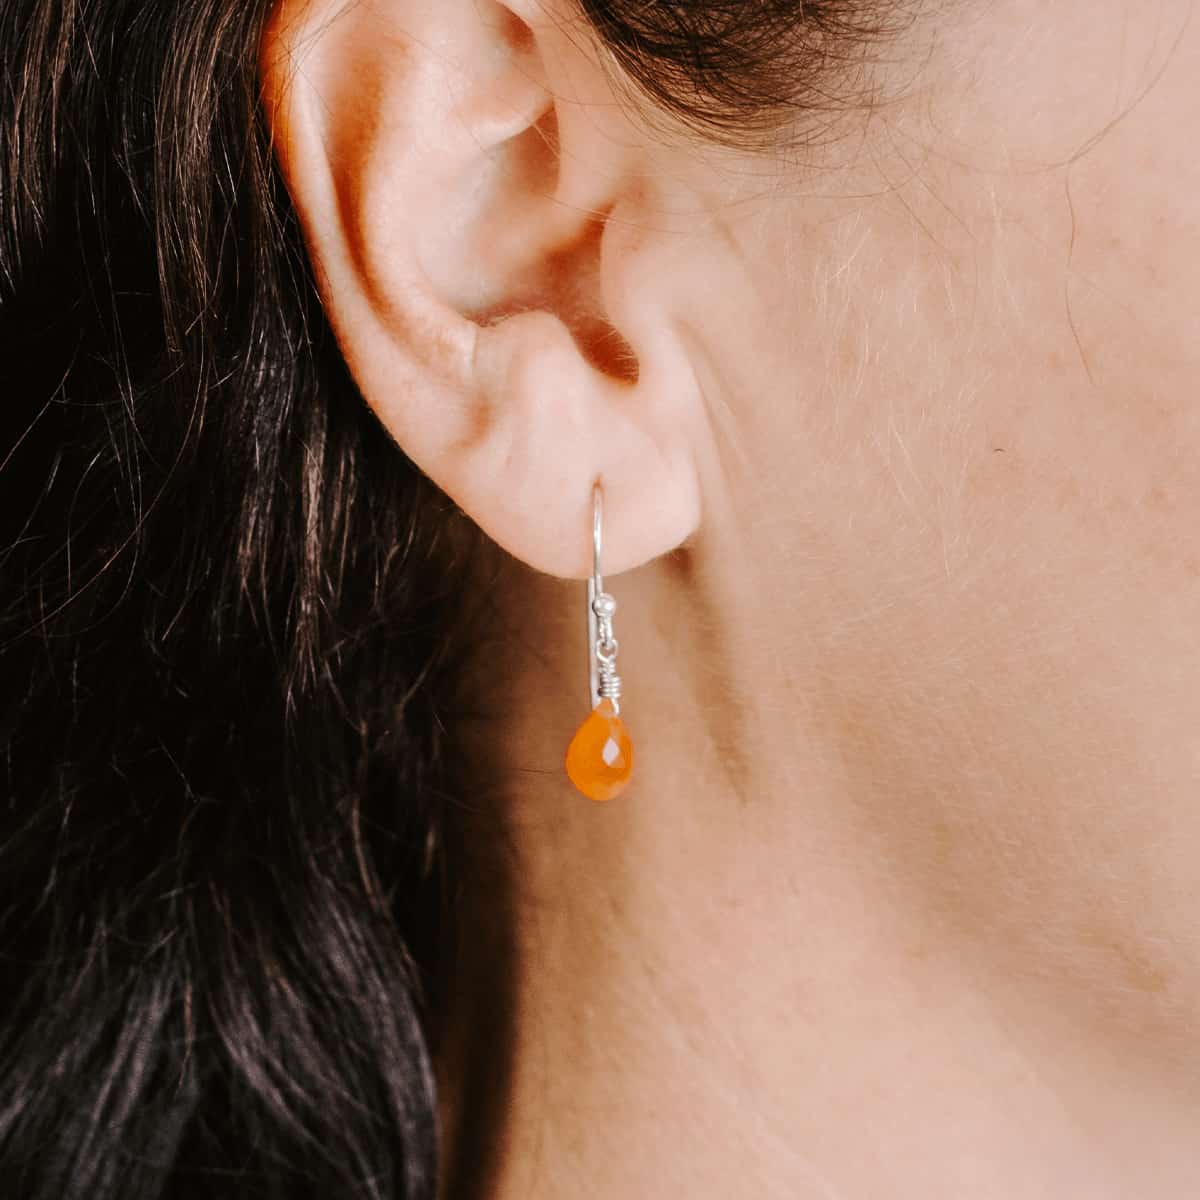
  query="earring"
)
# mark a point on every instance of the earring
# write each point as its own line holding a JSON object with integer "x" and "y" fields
{"x": 600, "y": 757}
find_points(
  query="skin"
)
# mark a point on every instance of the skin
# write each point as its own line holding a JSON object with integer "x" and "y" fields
{"x": 904, "y": 899}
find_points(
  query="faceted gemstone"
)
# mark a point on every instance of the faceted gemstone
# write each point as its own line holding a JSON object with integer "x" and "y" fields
{"x": 600, "y": 756}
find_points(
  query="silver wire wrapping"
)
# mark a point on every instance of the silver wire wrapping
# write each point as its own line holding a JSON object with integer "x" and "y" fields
{"x": 603, "y": 680}
{"x": 606, "y": 650}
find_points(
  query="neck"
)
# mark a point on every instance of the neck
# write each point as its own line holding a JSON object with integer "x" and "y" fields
{"x": 846, "y": 931}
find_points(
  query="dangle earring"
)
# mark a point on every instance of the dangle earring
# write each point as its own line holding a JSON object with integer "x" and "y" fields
{"x": 600, "y": 757}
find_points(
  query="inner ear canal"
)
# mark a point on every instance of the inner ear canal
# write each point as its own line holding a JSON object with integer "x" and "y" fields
{"x": 565, "y": 279}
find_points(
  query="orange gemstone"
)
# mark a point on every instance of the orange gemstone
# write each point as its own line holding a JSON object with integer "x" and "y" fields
{"x": 600, "y": 756}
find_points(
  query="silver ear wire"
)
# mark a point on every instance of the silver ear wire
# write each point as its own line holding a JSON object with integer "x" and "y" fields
{"x": 603, "y": 680}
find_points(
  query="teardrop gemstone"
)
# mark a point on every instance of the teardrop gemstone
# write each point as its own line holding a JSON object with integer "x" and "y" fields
{"x": 600, "y": 756}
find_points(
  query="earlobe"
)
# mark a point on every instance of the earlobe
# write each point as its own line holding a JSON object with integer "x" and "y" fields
{"x": 454, "y": 189}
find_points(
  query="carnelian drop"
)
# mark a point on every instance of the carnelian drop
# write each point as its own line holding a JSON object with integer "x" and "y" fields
{"x": 600, "y": 756}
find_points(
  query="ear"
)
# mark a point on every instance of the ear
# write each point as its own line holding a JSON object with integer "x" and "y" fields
{"x": 471, "y": 194}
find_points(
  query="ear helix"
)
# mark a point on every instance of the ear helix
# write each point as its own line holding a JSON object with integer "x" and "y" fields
{"x": 600, "y": 756}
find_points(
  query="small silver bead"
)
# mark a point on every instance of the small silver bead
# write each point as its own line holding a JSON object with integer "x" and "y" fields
{"x": 604, "y": 606}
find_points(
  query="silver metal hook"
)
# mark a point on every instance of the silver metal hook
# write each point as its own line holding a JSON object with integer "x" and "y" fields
{"x": 597, "y": 536}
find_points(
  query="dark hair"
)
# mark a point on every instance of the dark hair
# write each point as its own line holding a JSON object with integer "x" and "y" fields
{"x": 232, "y": 619}
{"x": 743, "y": 72}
